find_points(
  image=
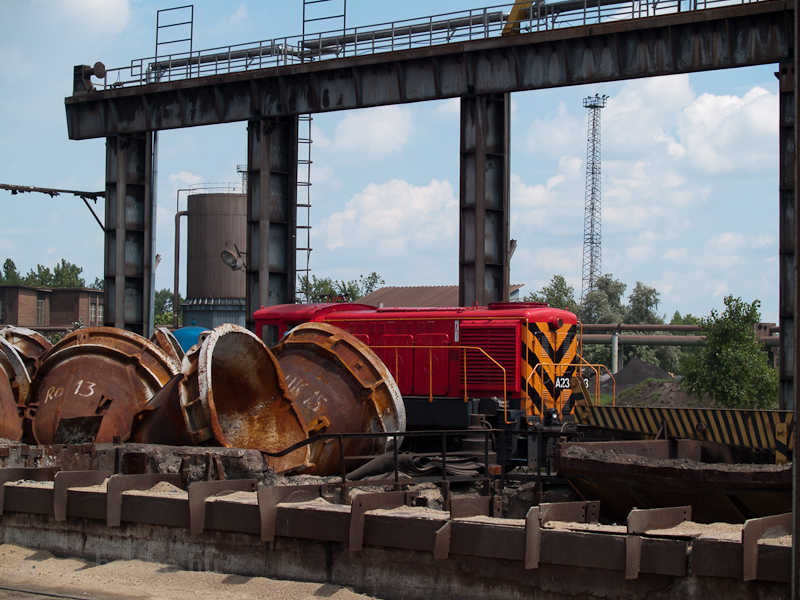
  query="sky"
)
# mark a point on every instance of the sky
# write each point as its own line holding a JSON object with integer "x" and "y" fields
{"x": 689, "y": 164}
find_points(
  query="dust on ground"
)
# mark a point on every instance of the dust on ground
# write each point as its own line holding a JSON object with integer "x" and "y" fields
{"x": 39, "y": 570}
{"x": 661, "y": 394}
{"x": 623, "y": 458}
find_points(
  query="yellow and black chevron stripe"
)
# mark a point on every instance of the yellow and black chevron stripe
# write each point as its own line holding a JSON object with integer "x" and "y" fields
{"x": 548, "y": 358}
{"x": 761, "y": 429}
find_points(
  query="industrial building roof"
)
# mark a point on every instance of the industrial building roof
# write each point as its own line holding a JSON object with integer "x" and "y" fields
{"x": 421, "y": 295}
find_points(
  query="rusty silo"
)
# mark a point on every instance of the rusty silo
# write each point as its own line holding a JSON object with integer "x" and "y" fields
{"x": 215, "y": 293}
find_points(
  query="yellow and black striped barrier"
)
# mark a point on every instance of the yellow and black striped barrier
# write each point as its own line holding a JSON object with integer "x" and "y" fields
{"x": 760, "y": 429}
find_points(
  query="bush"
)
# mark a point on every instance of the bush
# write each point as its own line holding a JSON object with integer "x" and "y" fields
{"x": 732, "y": 367}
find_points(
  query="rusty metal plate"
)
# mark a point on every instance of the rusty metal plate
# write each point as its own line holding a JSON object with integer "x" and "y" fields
{"x": 270, "y": 496}
{"x": 713, "y": 492}
{"x": 575, "y": 512}
{"x": 754, "y": 530}
{"x": 644, "y": 520}
{"x": 30, "y": 344}
{"x": 163, "y": 338}
{"x": 10, "y": 419}
{"x": 13, "y": 364}
{"x": 16, "y": 474}
{"x": 371, "y": 501}
{"x": 162, "y": 420}
{"x": 200, "y": 491}
{"x": 64, "y": 480}
{"x": 341, "y": 386}
{"x": 97, "y": 371}
{"x": 117, "y": 484}
{"x": 234, "y": 393}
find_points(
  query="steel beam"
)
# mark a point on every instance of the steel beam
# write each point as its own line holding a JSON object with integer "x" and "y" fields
{"x": 788, "y": 242}
{"x": 795, "y": 283}
{"x": 735, "y": 36}
{"x": 484, "y": 200}
{"x": 129, "y": 229}
{"x": 271, "y": 213}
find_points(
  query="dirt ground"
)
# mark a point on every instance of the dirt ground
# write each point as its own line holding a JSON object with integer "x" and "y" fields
{"x": 39, "y": 571}
{"x": 660, "y": 394}
{"x": 640, "y": 383}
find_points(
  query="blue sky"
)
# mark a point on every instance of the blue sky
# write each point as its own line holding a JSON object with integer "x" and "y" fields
{"x": 690, "y": 163}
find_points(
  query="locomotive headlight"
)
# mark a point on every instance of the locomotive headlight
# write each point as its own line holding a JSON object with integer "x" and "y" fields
{"x": 555, "y": 323}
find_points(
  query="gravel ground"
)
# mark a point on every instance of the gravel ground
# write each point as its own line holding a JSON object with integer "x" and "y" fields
{"x": 37, "y": 570}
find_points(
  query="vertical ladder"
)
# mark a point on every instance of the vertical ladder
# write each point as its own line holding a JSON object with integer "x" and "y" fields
{"x": 324, "y": 17}
{"x": 318, "y": 16}
{"x": 303, "y": 205}
{"x": 176, "y": 21}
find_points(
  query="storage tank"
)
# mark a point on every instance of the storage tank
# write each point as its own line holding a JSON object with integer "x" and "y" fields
{"x": 215, "y": 293}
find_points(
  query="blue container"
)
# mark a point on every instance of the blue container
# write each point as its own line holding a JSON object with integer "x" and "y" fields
{"x": 187, "y": 336}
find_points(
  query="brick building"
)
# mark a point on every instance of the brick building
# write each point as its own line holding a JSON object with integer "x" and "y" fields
{"x": 49, "y": 309}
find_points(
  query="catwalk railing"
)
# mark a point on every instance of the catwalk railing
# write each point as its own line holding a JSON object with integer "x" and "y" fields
{"x": 434, "y": 30}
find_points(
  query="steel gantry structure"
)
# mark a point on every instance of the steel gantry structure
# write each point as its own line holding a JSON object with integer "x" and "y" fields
{"x": 262, "y": 86}
{"x": 479, "y": 71}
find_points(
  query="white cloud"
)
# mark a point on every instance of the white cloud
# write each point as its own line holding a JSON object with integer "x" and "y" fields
{"x": 239, "y": 16}
{"x": 108, "y": 16}
{"x": 726, "y": 242}
{"x": 449, "y": 110}
{"x": 184, "y": 178}
{"x": 726, "y": 133}
{"x": 320, "y": 140}
{"x": 676, "y": 254}
{"x": 639, "y": 253}
{"x": 381, "y": 131}
{"x": 556, "y": 134}
{"x": 394, "y": 217}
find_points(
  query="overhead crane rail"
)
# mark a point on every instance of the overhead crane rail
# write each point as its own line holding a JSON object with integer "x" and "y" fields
{"x": 445, "y": 28}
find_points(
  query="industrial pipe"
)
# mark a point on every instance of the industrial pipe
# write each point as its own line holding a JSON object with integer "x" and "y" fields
{"x": 175, "y": 295}
{"x": 664, "y": 340}
{"x": 594, "y": 327}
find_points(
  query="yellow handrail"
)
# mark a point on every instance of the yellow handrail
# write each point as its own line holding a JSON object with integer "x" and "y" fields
{"x": 464, "y": 355}
{"x": 580, "y": 365}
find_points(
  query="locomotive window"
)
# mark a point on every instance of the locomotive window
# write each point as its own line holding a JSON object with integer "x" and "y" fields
{"x": 269, "y": 335}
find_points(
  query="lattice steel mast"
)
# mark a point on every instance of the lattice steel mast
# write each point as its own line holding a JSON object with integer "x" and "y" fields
{"x": 592, "y": 251}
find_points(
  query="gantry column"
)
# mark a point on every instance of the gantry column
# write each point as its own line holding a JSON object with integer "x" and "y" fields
{"x": 129, "y": 233}
{"x": 271, "y": 213}
{"x": 788, "y": 240}
{"x": 484, "y": 200}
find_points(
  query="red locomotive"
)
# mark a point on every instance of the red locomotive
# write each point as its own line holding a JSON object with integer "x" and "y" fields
{"x": 511, "y": 361}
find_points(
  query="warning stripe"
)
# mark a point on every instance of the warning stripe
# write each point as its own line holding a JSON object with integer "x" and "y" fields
{"x": 747, "y": 428}
{"x": 547, "y": 355}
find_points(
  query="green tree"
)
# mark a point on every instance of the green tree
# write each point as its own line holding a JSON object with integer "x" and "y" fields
{"x": 688, "y": 319}
{"x": 10, "y": 275}
{"x": 557, "y": 294}
{"x": 162, "y": 307}
{"x": 98, "y": 284}
{"x": 327, "y": 290}
{"x": 40, "y": 277}
{"x": 643, "y": 310}
{"x": 604, "y": 303}
{"x": 67, "y": 275}
{"x": 732, "y": 367}
{"x": 643, "y": 305}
